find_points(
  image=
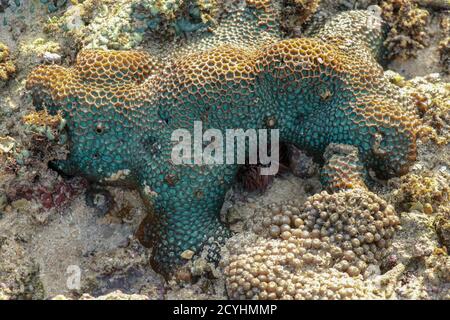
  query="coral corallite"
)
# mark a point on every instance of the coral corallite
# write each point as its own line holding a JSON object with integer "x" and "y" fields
{"x": 121, "y": 108}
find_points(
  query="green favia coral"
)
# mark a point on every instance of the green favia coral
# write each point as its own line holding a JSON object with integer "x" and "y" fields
{"x": 121, "y": 108}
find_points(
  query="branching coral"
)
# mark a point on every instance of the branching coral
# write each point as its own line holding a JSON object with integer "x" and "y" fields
{"x": 122, "y": 107}
{"x": 407, "y": 28}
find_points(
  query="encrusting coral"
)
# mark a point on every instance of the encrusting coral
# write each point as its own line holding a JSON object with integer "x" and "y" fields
{"x": 121, "y": 108}
{"x": 426, "y": 190}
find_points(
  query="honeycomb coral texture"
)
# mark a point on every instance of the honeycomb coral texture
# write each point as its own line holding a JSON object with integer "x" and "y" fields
{"x": 121, "y": 108}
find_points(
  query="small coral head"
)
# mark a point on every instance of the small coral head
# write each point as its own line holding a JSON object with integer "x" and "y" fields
{"x": 393, "y": 151}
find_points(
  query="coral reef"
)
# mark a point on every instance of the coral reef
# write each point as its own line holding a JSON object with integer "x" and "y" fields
{"x": 18, "y": 272}
{"x": 408, "y": 25}
{"x": 7, "y": 66}
{"x": 423, "y": 192}
{"x": 123, "y": 24}
{"x": 431, "y": 101}
{"x": 282, "y": 261}
{"x": 296, "y": 13}
{"x": 121, "y": 108}
{"x": 50, "y": 222}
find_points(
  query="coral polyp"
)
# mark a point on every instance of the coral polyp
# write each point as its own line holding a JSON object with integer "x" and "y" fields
{"x": 121, "y": 108}
{"x": 319, "y": 250}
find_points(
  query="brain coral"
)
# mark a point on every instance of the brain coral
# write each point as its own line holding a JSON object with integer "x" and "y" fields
{"x": 121, "y": 108}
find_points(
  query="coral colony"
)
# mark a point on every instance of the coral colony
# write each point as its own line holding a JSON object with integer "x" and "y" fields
{"x": 122, "y": 108}
{"x": 235, "y": 149}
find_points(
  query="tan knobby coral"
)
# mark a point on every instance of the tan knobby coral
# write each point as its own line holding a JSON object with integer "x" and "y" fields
{"x": 319, "y": 250}
{"x": 7, "y": 66}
